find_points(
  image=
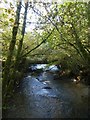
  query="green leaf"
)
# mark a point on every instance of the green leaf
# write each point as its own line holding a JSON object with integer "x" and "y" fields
{"x": 11, "y": 19}
{"x": 9, "y": 11}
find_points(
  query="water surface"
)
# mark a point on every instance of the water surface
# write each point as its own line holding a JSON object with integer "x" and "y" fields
{"x": 41, "y": 95}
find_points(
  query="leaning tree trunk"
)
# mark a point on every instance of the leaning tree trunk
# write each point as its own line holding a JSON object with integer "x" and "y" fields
{"x": 6, "y": 73}
{"x": 80, "y": 46}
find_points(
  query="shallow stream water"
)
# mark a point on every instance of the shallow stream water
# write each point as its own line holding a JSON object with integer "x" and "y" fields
{"x": 43, "y": 95}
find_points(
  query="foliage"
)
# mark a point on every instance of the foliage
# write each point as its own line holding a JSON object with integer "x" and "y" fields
{"x": 60, "y": 36}
{"x": 71, "y": 35}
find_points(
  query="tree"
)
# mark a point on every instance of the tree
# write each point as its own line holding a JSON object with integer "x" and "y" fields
{"x": 19, "y": 57}
{"x": 70, "y": 37}
{"x": 6, "y": 72}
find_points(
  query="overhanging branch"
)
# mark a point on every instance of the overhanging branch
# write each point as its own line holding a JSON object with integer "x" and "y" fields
{"x": 44, "y": 40}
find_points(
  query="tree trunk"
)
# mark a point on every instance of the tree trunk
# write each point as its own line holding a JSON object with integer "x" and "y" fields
{"x": 6, "y": 73}
{"x": 80, "y": 46}
{"x": 18, "y": 57}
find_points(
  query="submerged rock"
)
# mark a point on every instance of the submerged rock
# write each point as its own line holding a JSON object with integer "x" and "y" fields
{"x": 47, "y": 87}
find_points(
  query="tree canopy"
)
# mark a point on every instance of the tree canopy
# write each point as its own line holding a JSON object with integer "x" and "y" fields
{"x": 57, "y": 33}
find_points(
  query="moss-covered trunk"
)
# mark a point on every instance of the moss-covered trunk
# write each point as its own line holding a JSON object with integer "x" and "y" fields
{"x": 6, "y": 72}
{"x": 19, "y": 59}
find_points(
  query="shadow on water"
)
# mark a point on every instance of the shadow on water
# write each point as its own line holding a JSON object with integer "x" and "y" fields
{"x": 42, "y": 96}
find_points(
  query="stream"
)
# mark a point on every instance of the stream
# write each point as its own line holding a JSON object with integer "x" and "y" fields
{"x": 44, "y": 95}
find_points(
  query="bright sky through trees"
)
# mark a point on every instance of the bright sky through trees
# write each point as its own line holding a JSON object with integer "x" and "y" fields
{"x": 32, "y": 17}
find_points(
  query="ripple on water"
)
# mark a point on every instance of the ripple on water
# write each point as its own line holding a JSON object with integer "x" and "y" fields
{"x": 47, "y": 93}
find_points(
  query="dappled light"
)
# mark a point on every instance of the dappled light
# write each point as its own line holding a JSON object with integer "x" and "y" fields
{"x": 45, "y": 60}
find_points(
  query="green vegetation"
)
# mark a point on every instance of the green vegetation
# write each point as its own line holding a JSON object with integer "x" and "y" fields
{"x": 61, "y": 36}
